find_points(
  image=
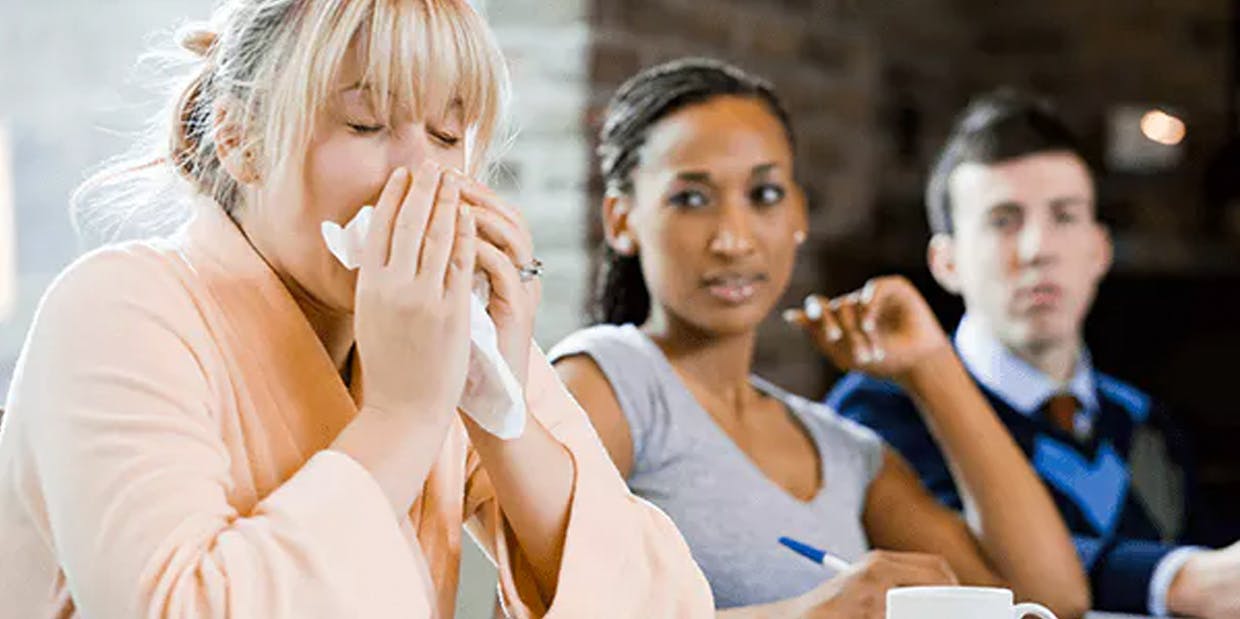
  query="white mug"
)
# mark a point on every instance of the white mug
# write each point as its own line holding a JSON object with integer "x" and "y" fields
{"x": 959, "y": 603}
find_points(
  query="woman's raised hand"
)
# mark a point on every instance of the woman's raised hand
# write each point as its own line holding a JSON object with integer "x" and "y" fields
{"x": 886, "y": 328}
{"x": 411, "y": 313}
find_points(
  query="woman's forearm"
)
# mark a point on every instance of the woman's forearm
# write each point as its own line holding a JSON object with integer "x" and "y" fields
{"x": 1011, "y": 512}
{"x": 533, "y": 477}
{"x": 398, "y": 451}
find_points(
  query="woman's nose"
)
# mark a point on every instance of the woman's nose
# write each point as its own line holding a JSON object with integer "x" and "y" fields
{"x": 734, "y": 236}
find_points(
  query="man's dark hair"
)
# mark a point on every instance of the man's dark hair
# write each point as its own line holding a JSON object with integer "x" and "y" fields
{"x": 999, "y": 126}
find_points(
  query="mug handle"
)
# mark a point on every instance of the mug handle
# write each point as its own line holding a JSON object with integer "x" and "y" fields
{"x": 1037, "y": 610}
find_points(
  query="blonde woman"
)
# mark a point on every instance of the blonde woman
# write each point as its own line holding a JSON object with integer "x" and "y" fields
{"x": 229, "y": 423}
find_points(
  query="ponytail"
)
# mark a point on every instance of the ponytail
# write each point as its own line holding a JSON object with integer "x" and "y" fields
{"x": 622, "y": 296}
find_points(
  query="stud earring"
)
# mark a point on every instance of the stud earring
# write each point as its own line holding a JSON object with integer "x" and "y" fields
{"x": 798, "y": 237}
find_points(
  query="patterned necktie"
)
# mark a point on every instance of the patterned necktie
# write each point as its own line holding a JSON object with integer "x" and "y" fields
{"x": 1061, "y": 410}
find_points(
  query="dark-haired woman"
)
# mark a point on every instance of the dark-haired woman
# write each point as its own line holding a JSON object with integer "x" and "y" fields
{"x": 703, "y": 217}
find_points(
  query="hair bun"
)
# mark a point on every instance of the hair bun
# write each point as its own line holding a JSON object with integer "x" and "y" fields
{"x": 197, "y": 40}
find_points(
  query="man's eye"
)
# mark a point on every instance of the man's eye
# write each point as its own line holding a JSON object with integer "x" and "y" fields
{"x": 1003, "y": 221}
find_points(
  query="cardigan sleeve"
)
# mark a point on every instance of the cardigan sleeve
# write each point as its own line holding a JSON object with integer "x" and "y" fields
{"x": 117, "y": 392}
{"x": 622, "y": 556}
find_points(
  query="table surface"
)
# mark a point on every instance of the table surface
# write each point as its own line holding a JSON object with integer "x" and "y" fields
{"x": 1098, "y": 615}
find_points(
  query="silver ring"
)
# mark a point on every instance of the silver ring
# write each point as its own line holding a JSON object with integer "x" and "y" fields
{"x": 531, "y": 270}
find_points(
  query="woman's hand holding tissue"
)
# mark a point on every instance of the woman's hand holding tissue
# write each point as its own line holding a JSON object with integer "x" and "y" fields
{"x": 412, "y": 307}
{"x": 532, "y": 474}
{"x": 411, "y": 318}
{"x": 505, "y": 243}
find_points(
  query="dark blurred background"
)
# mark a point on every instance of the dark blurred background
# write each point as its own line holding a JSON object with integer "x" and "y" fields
{"x": 873, "y": 87}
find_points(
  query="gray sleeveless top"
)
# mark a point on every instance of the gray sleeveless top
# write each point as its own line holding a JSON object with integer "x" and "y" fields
{"x": 729, "y": 512}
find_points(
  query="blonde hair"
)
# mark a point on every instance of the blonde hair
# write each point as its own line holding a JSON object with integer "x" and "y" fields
{"x": 275, "y": 64}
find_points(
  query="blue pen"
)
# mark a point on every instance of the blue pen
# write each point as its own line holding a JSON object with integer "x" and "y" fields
{"x": 816, "y": 555}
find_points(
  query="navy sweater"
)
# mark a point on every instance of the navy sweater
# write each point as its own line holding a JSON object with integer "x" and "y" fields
{"x": 1115, "y": 537}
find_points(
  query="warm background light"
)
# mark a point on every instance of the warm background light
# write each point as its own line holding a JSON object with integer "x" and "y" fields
{"x": 1163, "y": 128}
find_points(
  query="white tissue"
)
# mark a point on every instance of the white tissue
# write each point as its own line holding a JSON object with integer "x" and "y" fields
{"x": 492, "y": 397}
{"x": 347, "y": 243}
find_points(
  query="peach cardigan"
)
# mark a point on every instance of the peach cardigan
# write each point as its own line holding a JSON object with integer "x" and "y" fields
{"x": 164, "y": 455}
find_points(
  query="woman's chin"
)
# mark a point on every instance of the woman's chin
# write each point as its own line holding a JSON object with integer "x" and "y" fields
{"x": 340, "y": 292}
{"x": 731, "y": 321}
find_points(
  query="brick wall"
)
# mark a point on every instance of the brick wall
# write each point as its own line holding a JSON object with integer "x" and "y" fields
{"x": 544, "y": 171}
{"x": 1087, "y": 55}
{"x": 873, "y": 88}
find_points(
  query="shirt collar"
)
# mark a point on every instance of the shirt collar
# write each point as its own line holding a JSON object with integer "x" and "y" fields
{"x": 1015, "y": 381}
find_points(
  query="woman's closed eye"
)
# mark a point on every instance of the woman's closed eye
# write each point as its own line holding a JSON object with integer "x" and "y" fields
{"x": 445, "y": 138}
{"x": 362, "y": 128}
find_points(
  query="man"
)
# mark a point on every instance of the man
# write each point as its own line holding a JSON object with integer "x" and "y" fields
{"x": 1012, "y": 205}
